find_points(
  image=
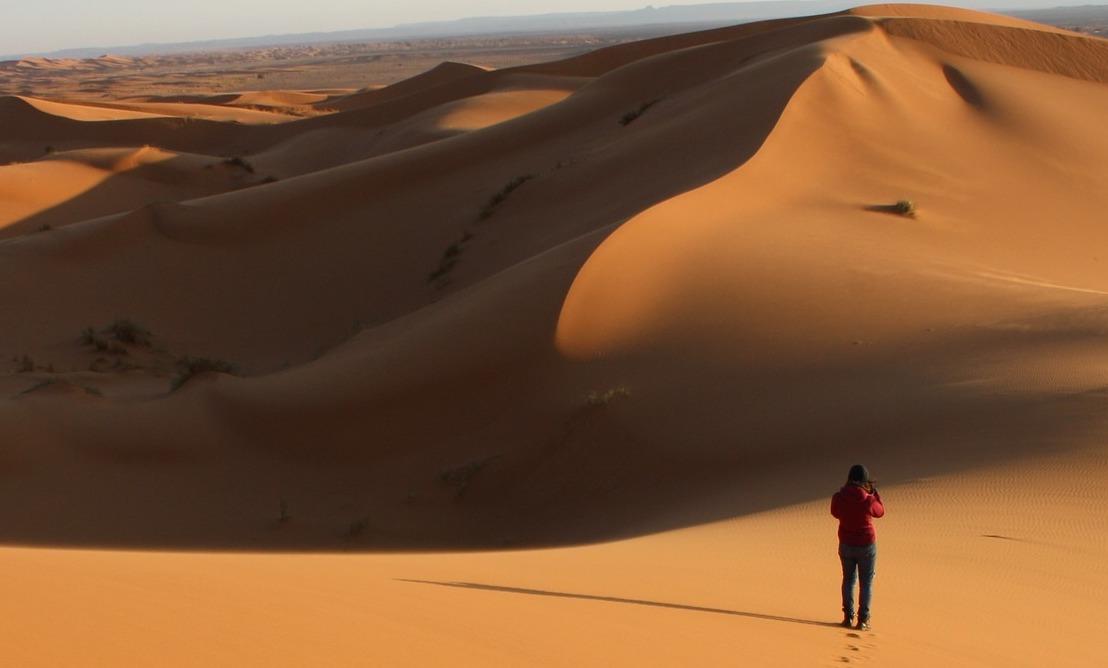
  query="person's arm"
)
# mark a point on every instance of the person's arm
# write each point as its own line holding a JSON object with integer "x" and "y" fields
{"x": 876, "y": 507}
{"x": 835, "y": 506}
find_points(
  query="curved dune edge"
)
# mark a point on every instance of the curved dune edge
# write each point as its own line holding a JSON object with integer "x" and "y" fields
{"x": 83, "y": 112}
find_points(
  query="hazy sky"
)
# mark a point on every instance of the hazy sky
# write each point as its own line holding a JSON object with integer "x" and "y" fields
{"x": 28, "y": 26}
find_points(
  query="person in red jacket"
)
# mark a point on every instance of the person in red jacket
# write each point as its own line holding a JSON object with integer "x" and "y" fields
{"x": 855, "y": 506}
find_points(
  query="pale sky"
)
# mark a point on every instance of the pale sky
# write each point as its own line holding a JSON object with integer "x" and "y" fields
{"x": 28, "y": 26}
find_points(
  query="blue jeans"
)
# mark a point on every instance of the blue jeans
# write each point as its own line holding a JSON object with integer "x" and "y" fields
{"x": 858, "y": 560}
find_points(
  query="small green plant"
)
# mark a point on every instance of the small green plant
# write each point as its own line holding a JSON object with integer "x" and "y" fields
{"x": 128, "y": 332}
{"x": 598, "y": 398}
{"x": 460, "y": 477}
{"x": 633, "y": 115}
{"x": 189, "y": 367}
{"x": 905, "y": 207}
{"x": 24, "y": 364}
{"x": 240, "y": 162}
{"x": 449, "y": 259}
{"x": 502, "y": 195}
{"x": 90, "y": 338}
{"x": 357, "y": 527}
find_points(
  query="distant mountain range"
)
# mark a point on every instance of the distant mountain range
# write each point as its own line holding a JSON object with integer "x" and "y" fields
{"x": 706, "y": 14}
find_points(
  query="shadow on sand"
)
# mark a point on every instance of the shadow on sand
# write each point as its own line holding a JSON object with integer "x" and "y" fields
{"x": 616, "y": 599}
{"x": 894, "y": 209}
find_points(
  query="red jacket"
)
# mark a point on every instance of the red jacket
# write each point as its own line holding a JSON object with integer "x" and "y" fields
{"x": 855, "y": 509}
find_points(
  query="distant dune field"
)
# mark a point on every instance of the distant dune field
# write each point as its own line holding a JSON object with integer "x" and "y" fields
{"x": 558, "y": 364}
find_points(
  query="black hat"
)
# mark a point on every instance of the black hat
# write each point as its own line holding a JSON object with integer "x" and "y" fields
{"x": 858, "y": 473}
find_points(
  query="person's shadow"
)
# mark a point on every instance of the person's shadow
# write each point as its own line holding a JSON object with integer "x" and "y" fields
{"x": 616, "y": 599}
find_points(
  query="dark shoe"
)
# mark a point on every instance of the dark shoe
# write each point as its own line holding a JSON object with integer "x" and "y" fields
{"x": 863, "y": 624}
{"x": 848, "y": 621}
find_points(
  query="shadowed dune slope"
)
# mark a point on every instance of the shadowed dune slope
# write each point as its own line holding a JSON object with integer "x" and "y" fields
{"x": 445, "y": 73}
{"x": 603, "y": 297}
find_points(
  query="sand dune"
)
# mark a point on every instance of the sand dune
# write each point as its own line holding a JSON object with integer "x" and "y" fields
{"x": 80, "y": 64}
{"x": 82, "y": 112}
{"x": 223, "y": 113}
{"x": 443, "y": 74}
{"x": 636, "y": 311}
{"x": 73, "y": 186}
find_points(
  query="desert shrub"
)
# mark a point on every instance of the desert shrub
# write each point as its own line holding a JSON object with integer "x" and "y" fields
{"x": 357, "y": 527}
{"x": 240, "y": 162}
{"x": 605, "y": 397}
{"x": 460, "y": 477}
{"x": 502, "y": 195}
{"x": 450, "y": 258}
{"x": 284, "y": 517}
{"x": 905, "y": 207}
{"x": 189, "y": 367}
{"x": 633, "y": 115}
{"x": 128, "y": 332}
{"x": 24, "y": 364}
{"x": 90, "y": 338}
